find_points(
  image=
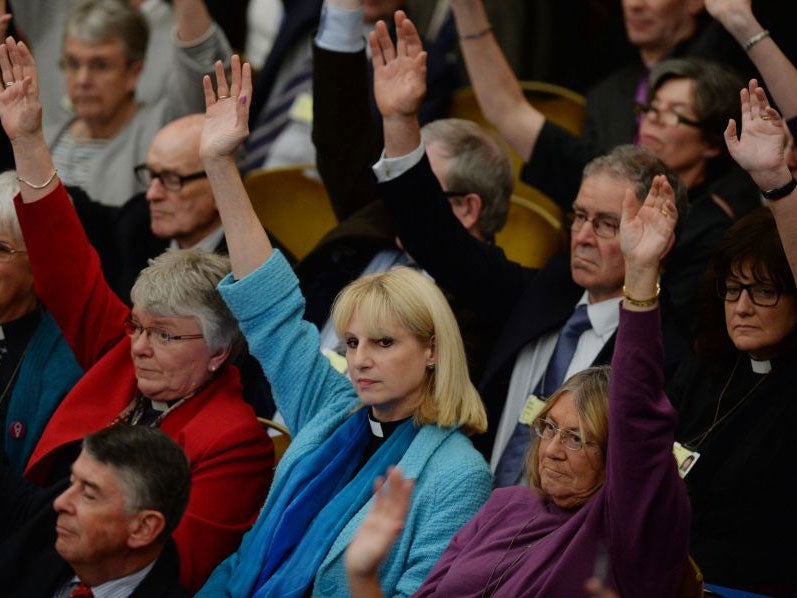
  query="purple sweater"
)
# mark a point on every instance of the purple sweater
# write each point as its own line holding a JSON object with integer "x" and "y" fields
{"x": 641, "y": 514}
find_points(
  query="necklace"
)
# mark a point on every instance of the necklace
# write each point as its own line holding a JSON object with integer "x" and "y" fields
{"x": 511, "y": 565}
{"x": 133, "y": 413}
{"x": 695, "y": 443}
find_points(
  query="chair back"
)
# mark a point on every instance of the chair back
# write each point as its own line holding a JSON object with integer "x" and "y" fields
{"x": 531, "y": 234}
{"x": 280, "y": 436}
{"x": 293, "y": 205}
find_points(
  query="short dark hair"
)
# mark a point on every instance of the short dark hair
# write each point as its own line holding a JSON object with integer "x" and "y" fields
{"x": 153, "y": 468}
{"x": 752, "y": 240}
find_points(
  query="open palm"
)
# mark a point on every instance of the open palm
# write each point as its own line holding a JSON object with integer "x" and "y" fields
{"x": 226, "y": 110}
{"x": 20, "y": 110}
{"x": 646, "y": 231}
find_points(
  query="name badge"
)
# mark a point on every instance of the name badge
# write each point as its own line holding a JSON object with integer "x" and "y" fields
{"x": 685, "y": 458}
{"x": 17, "y": 430}
{"x": 302, "y": 109}
{"x": 531, "y": 410}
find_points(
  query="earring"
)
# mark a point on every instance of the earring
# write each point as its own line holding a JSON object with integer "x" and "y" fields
{"x": 430, "y": 366}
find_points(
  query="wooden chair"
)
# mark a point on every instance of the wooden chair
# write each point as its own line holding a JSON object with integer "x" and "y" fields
{"x": 560, "y": 105}
{"x": 293, "y": 205}
{"x": 531, "y": 234}
{"x": 280, "y": 436}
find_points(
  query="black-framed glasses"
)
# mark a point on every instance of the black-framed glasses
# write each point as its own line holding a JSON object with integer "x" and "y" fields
{"x": 763, "y": 295}
{"x": 159, "y": 335}
{"x": 572, "y": 441}
{"x": 667, "y": 117}
{"x": 95, "y": 66}
{"x": 604, "y": 226}
{"x": 7, "y": 252}
{"x": 170, "y": 180}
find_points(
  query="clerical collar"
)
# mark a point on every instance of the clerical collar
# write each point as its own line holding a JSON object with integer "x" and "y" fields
{"x": 383, "y": 429}
{"x": 760, "y": 367}
{"x": 160, "y": 405}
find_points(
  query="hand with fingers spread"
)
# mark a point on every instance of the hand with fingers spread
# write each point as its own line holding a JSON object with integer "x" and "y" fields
{"x": 20, "y": 110}
{"x": 400, "y": 70}
{"x": 226, "y": 111}
{"x": 761, "y": 149}
{"x": 381, "y": 527}
{"x": 647, "y": 232}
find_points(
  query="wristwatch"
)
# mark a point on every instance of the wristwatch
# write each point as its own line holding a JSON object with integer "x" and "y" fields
{"x": 780, "y": 192}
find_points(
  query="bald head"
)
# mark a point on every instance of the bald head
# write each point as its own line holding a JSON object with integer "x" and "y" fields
{"x": 188, "y": 214}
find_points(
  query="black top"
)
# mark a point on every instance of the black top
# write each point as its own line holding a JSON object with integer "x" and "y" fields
{"x": 16, "y": 334}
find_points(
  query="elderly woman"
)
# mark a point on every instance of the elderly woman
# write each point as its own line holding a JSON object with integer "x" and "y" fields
{"x": 409, "y": 401}
{"x": 37, "y": 367}
{"x": 164, "y": 364}
{"x": 735, "y": 399}
{"x": 110, "y": 133}
{"x": 605, "y": 492}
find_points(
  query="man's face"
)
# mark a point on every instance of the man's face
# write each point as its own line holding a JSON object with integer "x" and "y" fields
{"x": 99, "y": 78}
{"x": 381, "y": 9}
{"x": 188, "y": 214}
{"x": 596, "y": 263}
{"x": 659, "y": 24}
{"x": 93, "y": 523}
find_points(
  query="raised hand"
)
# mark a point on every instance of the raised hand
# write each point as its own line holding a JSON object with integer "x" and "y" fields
{"x": 226, "y": 111}
{"x": 382, "y": 525}
{"x": 399, "y": 71}
{"x": 20, "y": 110}
{"x": 647, "y": 231}
{"x": 761, "y": 150}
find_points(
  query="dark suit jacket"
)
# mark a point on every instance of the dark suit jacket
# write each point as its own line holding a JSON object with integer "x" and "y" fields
{"x": 30, "y": 567}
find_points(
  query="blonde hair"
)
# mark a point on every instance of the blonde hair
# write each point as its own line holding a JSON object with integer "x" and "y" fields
{"x": 590, "y": 390}
{"x": 409, "y": 299}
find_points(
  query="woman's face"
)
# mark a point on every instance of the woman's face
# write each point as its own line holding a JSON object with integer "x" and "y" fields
{"x": 754, "y": 329}
{"x": 680, "y": 146}
{"x": 176, "y": 369}
{"x": 569, "y": 477}
{"x": 389, "y": 371}
{"x": 17, "y": 294}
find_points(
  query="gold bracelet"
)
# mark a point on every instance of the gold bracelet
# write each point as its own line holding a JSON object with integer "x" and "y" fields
{"x": 642, "y": 302}
{"x": 35, "y": 186}
{"x": 477, "y": 35}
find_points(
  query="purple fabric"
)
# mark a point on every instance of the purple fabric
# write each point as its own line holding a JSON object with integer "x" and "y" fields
{"x": 641, "y": 514}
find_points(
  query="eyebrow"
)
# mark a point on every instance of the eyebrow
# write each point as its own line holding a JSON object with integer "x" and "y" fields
{"x": 612, "y": 215}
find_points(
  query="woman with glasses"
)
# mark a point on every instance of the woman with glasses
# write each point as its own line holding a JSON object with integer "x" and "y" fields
{"x": 736, "y": 397}
{"x": 605, "y": 497}
{"x": 166, "y": 363}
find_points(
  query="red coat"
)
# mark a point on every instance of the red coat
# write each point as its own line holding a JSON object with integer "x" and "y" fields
{"x": 231, "y": 457}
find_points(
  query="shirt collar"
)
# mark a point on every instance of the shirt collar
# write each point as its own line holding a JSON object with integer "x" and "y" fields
{"x": 123, "y": 586}
{"x": 604, "y": 316}
{"x": 208, "y": 243}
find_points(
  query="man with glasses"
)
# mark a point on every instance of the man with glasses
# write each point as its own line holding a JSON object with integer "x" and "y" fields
{"x": 554, "y": 321}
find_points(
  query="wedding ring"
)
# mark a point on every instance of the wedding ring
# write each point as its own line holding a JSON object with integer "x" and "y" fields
{"x": 767, "y": 117}
{"x": 222, "y": 97}
{"x": 665, "y": 213}
{"x": 9, "y": 83}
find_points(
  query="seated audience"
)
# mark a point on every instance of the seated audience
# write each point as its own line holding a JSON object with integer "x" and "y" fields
{"x": 37, "y": 367}
{"x": 735, "y": 397}
{"x": 554, "y": 321}
{"x": 109, "y": 532}
{"x": 163, "y": 364}
{"x": 109, "y": 133}
{"x": 604, "y": 485}
{"x": 410, "y": 403}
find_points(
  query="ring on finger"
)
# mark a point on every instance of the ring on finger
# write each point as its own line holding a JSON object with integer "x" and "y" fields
{"x": 767, "y": 117}
{"x": 223, "y": 97}
{"x": 665, "y": 212}
{"x": 9, "y": 83}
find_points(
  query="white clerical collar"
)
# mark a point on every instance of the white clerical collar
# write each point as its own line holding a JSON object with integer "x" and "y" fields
{"x": 760, "y": 367}
{"x": 160, "y": 405}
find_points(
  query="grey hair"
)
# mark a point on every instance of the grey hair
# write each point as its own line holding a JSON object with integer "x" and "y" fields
{"x": 182, "y": 283}
{"x": 97, "y": 21}
{"x": 478, "y": 164}
{"x": 639, "y": 166}
{"x": 9, "y": 188}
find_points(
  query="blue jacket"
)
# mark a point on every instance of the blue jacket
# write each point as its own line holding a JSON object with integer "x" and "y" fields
{"x": 451, "y": 479}
{"x": 48, "y": 372}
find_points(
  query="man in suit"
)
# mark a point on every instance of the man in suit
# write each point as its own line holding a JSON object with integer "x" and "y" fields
{"x": 111, "y": 527}
{"x": 572, "y": 301}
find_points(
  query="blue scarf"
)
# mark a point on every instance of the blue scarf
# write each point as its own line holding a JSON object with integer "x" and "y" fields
{"x": 319, "y": 499}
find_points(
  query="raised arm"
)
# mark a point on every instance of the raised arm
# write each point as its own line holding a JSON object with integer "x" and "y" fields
{"x": 736, "y": 16}
{"x": 645, "y": 497}
{"x": 761, "y": 152}
{"x": 66, "y": 268}
{"x": 496, "y": 86}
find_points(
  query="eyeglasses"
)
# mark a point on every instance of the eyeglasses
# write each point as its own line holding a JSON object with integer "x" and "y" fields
{"x": 95, "y": 66}
{"x": 763, "y": 295}
{"x": 7, "y": 252}
{"x": 170, "y": 180}
{"x": 605, "y": 227}
{"x": 546, "y": 430}
{"x": 161, "y": 336}
{"x": 667, "y": 117}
